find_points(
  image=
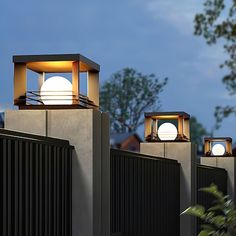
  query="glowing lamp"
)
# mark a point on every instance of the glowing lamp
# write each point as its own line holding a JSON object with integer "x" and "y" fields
{"x": 218, "y": 150}
{"x": 56, "y": 90}
{"x": 167, "y": 126}
{"x": 218, "y": 146}
{"x": 167, "y": 131}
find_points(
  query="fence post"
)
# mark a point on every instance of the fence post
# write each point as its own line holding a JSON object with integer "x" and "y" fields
{"x": 227, "y": 163}
{"x": 185, "y": 154}
{"x": 88, "y": 131}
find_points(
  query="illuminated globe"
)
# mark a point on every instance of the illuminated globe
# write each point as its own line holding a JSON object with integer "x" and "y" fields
{"x": 218, "y": 150}
{"x": 167, "y": 131}
{"x": 56, "y": 90}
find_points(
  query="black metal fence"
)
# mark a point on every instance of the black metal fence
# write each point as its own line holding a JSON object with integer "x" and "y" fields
{"x": 144, "y": 195}
{"x": 207, "y": 175}
{"x": 35, "y": 185}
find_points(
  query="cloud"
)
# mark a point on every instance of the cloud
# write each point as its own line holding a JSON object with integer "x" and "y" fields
{"x": 179, "y": 14}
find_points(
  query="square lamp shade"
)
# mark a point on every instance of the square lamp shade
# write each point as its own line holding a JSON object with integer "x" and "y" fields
{"x": 167, "y": 126}
{"x": 221, "y": 147}
{"x": 59, "y": 92}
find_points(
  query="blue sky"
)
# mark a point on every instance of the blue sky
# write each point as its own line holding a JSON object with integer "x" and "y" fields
{"x": 153, "y": 36}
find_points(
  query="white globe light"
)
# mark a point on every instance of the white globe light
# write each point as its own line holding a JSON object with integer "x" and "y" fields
{"x": 56, "y": 90}
{"x": 167, "y": 131}
{"x": 218, "y": 150}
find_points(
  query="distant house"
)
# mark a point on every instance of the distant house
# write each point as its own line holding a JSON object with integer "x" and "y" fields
{"x": 1, "y": 119}
{"x": 125, "y": 141}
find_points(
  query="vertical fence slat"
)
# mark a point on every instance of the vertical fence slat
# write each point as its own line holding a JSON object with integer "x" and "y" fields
{"x": 9, "y": 188}
{"x": 55, "y": 191}
{"x": 36, "y": 169}
{"x": 1, "y": 185}
{"x": 65, "y": 193}
{"x": 26, "y": 188}
{"x": 16, "y": 187}
{"x": 4, "y": 192}
{"x": 46, "y": 200}
{"x": 20, "y": 190}
{"x": 31, "y": 195}
{"x": 49, "y": 189}
{"x": 62, "y": 190}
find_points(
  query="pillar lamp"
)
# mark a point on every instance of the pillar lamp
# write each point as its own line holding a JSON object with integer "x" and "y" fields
{"x": 160, "y": 126}
{"x": 57, "y": 101}
{"x": 167, "y": 136}
{"x": 55, "y": 92}
{"x": 217, "y": 147}
{"x": 218, "y": 153}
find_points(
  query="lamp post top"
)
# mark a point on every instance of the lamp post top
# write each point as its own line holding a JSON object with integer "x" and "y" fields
{"x": 56, "y": 62}
{"x": 167, "y": 114}
{"x": 218, "y": 139}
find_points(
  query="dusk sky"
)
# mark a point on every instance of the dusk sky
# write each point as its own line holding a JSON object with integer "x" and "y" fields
{"x": 152, "y": 36}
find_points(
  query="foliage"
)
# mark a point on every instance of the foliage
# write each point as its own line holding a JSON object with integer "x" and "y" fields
{"x": 197, "y": 132}
{"x": 127, "y": 95}
{"x": 220, "y": 219}
{"x": 223, "y": 112}
{"x": 216, "y": 24}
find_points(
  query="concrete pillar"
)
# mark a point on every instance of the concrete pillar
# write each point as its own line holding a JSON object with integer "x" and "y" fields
{"x": 185, "y": 154}
{"x": 227, "y": 163}
{"x": 88, "y": 131}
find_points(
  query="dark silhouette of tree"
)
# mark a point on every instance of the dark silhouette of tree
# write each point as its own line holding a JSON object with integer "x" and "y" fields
{"x": 217, "y": 24}
{"x": 127, "y": 95}
{"x": 197, "y": 132}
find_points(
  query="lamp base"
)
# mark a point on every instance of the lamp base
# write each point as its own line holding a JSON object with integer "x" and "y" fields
{"x": 56, "y": 107}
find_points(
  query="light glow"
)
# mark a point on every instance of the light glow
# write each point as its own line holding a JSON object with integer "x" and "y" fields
{"x": 218, "y": 150}
{"x": 167, "y": 131}
{"x": 56, "y": 90}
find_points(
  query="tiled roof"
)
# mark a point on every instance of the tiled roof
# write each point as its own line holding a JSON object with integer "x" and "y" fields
{"x": 118, "y": 138}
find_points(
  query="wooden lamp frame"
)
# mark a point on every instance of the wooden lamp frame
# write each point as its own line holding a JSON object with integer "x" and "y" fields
{"x": 152, "y": 118}
{"x": 60, "y": 63}
{"x": 210, "y": 140}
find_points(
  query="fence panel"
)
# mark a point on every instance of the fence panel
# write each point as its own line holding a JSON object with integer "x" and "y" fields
{"x": 207, "y": 175}
{"x": 144, "y": 195}
{"x": 35, "y": 185}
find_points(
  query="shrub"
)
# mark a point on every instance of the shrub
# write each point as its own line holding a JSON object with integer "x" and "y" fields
{"x": 220, "y": 219}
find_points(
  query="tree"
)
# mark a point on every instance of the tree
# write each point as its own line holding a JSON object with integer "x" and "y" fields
{"x": 216, "y": 24}
{"x": 127, "y": 95}
{"x": 197, "y": 132}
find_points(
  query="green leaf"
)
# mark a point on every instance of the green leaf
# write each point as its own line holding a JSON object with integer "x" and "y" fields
{"x": 213, "y": 190}
{"x": 219, "y": 221}
{"x": 206, "y": 233}
{"x": 216, "y": 208}
{"x": 197, "y": 211}
{"x": 207, "y": 227}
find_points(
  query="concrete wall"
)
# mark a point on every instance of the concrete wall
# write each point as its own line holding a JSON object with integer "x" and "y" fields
{"x": 185, "y": 154}
{"x": 27, "y": 121}
{"x": 88, "y": 131}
